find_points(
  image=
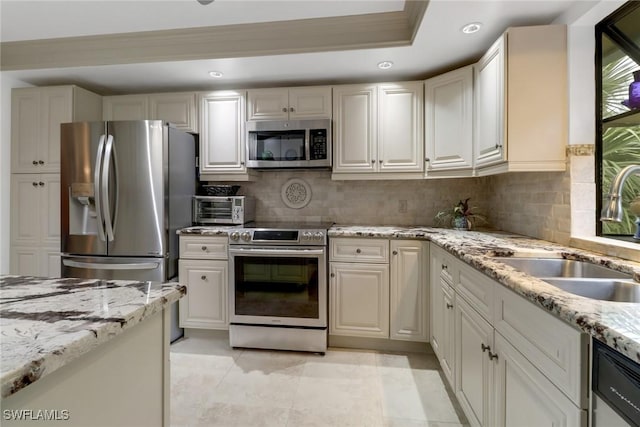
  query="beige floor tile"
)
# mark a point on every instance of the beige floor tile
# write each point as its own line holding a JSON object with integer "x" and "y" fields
{"x": 344, "y": 395}
{"x": 324, "y": 418}
{"x": 231, "y": 415}
{"x": 256, "y": 389}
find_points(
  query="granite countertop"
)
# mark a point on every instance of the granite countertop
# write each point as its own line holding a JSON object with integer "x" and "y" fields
{"x": 47, "y": 323}
{"x": 206, "y": 230}
{"x": 616, "y": 324}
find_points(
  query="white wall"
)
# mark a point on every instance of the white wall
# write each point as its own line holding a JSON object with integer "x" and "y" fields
{"x": 6, "y": 84}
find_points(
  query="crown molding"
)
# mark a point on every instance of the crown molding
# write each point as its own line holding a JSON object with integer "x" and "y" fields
{"x": 365, "y": 31}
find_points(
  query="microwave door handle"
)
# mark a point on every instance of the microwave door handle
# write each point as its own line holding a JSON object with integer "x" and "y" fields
{"x": 276, "y": 251}
{"x": 307, "y": 144}
{"x": 97, "y": 193}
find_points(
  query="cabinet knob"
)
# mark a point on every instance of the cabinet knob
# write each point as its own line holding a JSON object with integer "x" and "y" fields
{"x": 203, "y": 277}
{"x": 41, "y": 184}
{"x": 493, "y": 355}
{"x": 204, "y": 248}
{"x": 395, "y": 252}
{"x": 242, "y": 163}
{"x": 444, "y": 266}
{"x": 284, "y": 109}
{"x": 380, "y": 161}
{"x": 333, "y": 275}
{"x": 427, "y": 159}
{"x": 35, "y": 184}
{"x": 292, "y": 109}
{"x": 358, "y": 251}
{"x": 498, "y": 146}
{"x": 35, "y": 162}
{"x": 449, "y": 306}
{"x": 373, "y": 162}
{"x": 41, "y": 162}
{"x": 485, "y": 347}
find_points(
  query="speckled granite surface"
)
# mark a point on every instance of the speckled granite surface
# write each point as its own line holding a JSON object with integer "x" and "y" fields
{"x": 47, "y": 323}
{"x": 616, "y": 324}
{"x": 201, "y": 230}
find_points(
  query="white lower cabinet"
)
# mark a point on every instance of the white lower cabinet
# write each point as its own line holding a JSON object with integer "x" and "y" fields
{"x": 206, "y": 279}
{"x": 535, "y": 375}
{"x": 474, "y": 352}
{"x": 375, "y": 292}
{"x": 359, "y": 299}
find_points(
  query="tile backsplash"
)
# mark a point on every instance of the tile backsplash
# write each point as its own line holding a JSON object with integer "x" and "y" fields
{"x": 388, "y": 202}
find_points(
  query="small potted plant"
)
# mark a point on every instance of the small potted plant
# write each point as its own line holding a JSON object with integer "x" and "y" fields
{"x": 460, "y": 217}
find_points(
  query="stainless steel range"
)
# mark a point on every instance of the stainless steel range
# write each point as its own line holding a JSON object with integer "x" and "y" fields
{"x": 278, "y": 286}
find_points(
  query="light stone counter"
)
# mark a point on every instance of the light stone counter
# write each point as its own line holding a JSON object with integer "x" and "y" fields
{"x": 615, "y": 324}
{"x": 48, "y": 323}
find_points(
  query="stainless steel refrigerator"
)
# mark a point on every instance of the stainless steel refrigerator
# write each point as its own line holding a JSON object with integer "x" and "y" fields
{"x": 126, "y": 188}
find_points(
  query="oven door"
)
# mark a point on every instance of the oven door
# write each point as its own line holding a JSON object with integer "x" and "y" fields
{"x": 278, "y": 286}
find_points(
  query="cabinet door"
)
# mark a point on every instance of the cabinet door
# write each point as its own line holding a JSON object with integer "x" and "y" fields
{"x": 25, "y": 210}
{"x": 49, "y": 209}
{"x": 205, "y": 305}
{"x": 125, "y": 107}
{"x": 355, "y": 111}
{"x": 222, "y": 133}
{"x": 36, "y": 114}
{"x": 25, "y": 260}
{"x": 525, "y": 397}
{"x": 447, "y": 342}
{"x": 409, "y": 317}
{"x": 176, "y": 108}
{"x": 400, "y": 127}
{"x": 50, "y": 262}
{"x": 474, "y": 368}
{"x": 449, "y": 122}
{"x": 56, "y": 107}
{"x": 310, "y": 103}
{"x": 359, "y": 300}
{"x": 490, "y": 106}
{"x": 268, "y": 104}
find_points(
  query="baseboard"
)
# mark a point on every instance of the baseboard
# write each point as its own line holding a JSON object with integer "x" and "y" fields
{"x": 380, "y": 344}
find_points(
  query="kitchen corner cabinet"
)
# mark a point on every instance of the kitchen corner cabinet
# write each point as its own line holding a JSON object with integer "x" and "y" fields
{"x": 378, "y": 131}
{"x": 176, "y": 108}
{"x": 223, "y": 136}
{"x": 521, "y": 112}
{"x": 375, "y": 293}
{"x": 35, "y": 225}
{"x": 36, "y": 115}
{"x": 449, "y": 124}
{"x": 515, "y": 364}
{"x": 203, "y": 269}
{"x": 295, "y": 103}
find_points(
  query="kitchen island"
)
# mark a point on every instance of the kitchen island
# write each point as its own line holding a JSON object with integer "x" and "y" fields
{"x": 85, "y": 352}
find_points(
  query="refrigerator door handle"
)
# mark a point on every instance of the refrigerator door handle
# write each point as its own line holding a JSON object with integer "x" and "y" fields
{"x": 108, "y": 220}
{"x": 96, "y": 188}
{"x": 102, "y": 266}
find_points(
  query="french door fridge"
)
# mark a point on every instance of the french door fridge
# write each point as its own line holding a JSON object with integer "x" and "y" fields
{"x": 126, "y": 188}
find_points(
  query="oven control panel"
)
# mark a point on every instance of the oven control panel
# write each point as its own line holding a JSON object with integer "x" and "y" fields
{"x": 265, "y": 236}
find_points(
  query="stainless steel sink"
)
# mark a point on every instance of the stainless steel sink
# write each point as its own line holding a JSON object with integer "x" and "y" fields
{"x": 558, "y": 267}
{"x": 600, "y": 289}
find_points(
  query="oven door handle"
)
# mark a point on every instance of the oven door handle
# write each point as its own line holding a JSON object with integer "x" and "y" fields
{"x": 276, "y": 251}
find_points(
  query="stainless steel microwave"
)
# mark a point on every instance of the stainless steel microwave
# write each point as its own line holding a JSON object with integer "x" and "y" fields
{"x": 289, "y": 144}
{"x": 223, "y": 210}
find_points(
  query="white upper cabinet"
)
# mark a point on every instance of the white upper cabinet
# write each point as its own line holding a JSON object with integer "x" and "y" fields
{"x": 449, "y": 124}
{"x": 176, "y": 108}
{"x": 296, "y": 103}
{"x": 378, "y": 131}
{"x": 36, "y": 115}
{"x": 521, "y": 102}
{"x": 222, "y": 133}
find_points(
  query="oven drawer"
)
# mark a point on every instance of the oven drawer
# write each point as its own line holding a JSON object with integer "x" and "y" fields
{"x": 205, "y": 247}
{"x": 359, "y": 250}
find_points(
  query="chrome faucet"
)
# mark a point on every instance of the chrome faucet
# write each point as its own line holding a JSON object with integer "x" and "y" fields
{"x": 612, "y": 210}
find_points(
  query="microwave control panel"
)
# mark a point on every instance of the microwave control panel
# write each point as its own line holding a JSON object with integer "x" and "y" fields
{"x": 318, "y": 147}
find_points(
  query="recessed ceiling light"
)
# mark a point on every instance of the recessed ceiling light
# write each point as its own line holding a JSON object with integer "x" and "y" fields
{"x": 385, "y": 65}
{"x": 205, "y": 2}
{"x": 471, "y": 28}
{"x": 215, "y": 74}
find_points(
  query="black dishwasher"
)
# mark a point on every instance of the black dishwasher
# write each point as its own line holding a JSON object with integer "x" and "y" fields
{"x": 616, "y": 387}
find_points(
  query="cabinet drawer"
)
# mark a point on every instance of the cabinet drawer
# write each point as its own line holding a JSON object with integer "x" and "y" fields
{"x": 196, "y": 247}
{"x": 448, "y": 266}
{"x": 477, "y": 289}
{"x": 555, "y": 348}
{"x": 359, "y": 250}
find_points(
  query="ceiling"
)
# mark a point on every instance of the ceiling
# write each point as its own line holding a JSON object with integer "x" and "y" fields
{"x": 438, "y": 44}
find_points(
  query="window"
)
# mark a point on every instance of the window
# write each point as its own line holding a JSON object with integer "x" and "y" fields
{"x": 618, "y": 131}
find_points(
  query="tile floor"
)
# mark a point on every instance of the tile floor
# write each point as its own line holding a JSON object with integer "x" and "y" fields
{"x": 215, "y": 385}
